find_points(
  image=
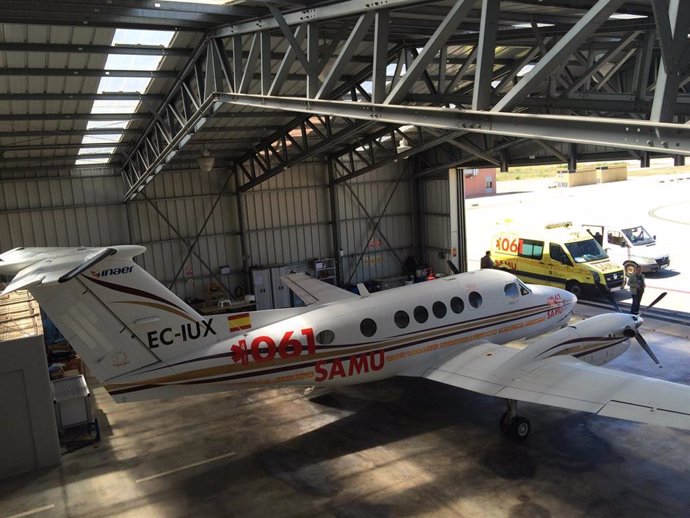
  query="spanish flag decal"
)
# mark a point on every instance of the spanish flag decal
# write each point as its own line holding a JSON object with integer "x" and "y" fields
{"x": 239, "y": 321}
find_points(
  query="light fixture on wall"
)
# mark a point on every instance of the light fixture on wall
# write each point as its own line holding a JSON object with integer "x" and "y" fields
{"x": 403, "y": 146}
{"x": 206, "y": 161}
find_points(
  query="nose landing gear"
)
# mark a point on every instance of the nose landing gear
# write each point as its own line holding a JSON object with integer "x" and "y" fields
{"x": 513, "y": 425}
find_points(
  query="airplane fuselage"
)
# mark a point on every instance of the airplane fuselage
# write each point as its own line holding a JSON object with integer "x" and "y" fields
{"x": 402, "y": 331}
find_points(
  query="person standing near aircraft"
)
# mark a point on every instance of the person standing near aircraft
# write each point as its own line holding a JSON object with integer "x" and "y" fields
{"x": 486, "y": 261}
{"x": 636, "y": 282}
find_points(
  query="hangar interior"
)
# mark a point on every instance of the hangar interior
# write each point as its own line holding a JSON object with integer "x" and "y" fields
{"x": 229, "y": 138}
{"x": 326, "y": 130}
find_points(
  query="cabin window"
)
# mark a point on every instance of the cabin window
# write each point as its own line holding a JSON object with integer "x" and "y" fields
{"x": 457, "y": 305}
{"x": 325, "y": 337}
{"x": 511, "y": 290}
{"x": 475, "y": 299}
{"x": 439, "y": 309}
{"x": 421, "y": 315}
{"x": 367, "y": 327}
{"x": 531, "y": 249}
{"x": 402, "y": 319}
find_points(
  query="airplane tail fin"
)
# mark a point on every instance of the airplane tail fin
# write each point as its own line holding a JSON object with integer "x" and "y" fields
{"x": 115, "y": 315}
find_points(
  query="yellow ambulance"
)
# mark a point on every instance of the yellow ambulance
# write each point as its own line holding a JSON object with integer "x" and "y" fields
{"x": 556, "y": 255}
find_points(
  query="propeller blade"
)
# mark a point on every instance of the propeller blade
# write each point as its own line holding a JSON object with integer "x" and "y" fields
{"x": 607, "y": 294}
{"x": 643, "y": 343}
{"x": 650, "y": 306}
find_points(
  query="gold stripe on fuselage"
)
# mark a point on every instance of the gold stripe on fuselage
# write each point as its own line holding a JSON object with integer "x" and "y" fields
{"x": 350, "y": 350}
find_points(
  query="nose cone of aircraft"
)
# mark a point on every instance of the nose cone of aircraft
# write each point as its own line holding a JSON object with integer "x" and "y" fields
{"x": 556, "y": 297}
{"x": 569, "y": 299}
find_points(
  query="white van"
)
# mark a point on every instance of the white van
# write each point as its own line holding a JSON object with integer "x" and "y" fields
{"x": 630, "y": 245}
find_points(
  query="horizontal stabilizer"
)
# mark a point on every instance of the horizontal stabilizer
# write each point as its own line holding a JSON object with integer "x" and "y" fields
{"x": 45, "y": 266}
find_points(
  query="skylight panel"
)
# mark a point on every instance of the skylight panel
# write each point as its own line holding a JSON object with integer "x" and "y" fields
{"x": 121, "y": 84}
{"x": 106, "y": 124}
{"x": 114, "y": 106}
{"x": 97, "y": 150}
{"x": 132, "y": 62}
{"x": 124, "y": 84}
{"x": 526, "y": 69}
{"x": 205, "y": 2}
{"x": 108, "y": 138}
{"x": 91, "y": 161}
{"x": 142, "y": 37}
{"x": 625, "y": 16}
{"x": 529, "y": 25}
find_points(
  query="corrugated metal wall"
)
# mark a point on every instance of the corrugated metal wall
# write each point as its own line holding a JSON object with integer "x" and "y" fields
{"x": 62, "y": 210}
{"x": 287, "y": 220}
{"x": 369, "y": 254}
{"x": 437, "y": 223}
{"x": 179, "y": 202}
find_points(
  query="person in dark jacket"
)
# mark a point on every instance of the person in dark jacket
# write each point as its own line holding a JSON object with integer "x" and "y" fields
{"x": 486, "y": 261}
{"x": 636, "y": 284}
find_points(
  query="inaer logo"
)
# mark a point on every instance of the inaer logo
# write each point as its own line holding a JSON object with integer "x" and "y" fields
{"x": 113, "y": 271}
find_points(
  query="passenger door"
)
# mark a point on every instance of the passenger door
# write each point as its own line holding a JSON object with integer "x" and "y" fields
{"x": 559, "y": 265}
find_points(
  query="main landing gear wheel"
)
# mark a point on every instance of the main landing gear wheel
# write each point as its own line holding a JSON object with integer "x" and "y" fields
{"x": 514, "y": 425}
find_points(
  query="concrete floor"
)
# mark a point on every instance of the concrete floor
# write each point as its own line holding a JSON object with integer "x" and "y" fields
{"x": 403, "y": 447}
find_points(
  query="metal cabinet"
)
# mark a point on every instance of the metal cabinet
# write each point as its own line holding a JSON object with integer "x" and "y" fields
{"x": 282, "y": 296}
{"x": 269, "y": 290}
{"x": 263, "y": 289}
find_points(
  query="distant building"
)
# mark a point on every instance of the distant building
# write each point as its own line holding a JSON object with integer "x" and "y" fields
{"x": 479, "y": 182}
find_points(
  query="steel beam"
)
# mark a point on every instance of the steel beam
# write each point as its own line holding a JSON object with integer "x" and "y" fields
{"x": 604, "y": 60}
{"x": 346, "y": 52}
{"x": 483, "y": 75}
{"x": 74, "y": 48}
{"x": 105, "y": 96}
{"x": 676, "y": 20}
{"x": 613, "y": 132}
{"x": 380, "y": 59}
{"x": 372, "y": 163}
{"x": 327, "y": 12}
{"x": 589, "y": 23}
{"x": 87, "y": 72}
{"x": 469, "y": 61}
{"x": 445, "y": 29}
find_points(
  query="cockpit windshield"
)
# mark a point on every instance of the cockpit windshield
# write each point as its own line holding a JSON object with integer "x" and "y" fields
{"x": 638, "y": 236}
{"x": 524, "y": 290}
{"x": 585, "y": 251}
{"x": 516, "y": 288}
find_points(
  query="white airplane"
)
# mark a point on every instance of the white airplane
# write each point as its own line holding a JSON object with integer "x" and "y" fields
{"x": 143, "y": 342}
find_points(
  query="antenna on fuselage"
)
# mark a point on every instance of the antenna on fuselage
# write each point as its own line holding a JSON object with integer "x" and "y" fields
{"x": 363, "y": 291}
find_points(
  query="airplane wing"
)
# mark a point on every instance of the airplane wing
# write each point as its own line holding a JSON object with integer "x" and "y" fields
{"x": 566, "y": 382}
{"x": 313, "y": 291}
